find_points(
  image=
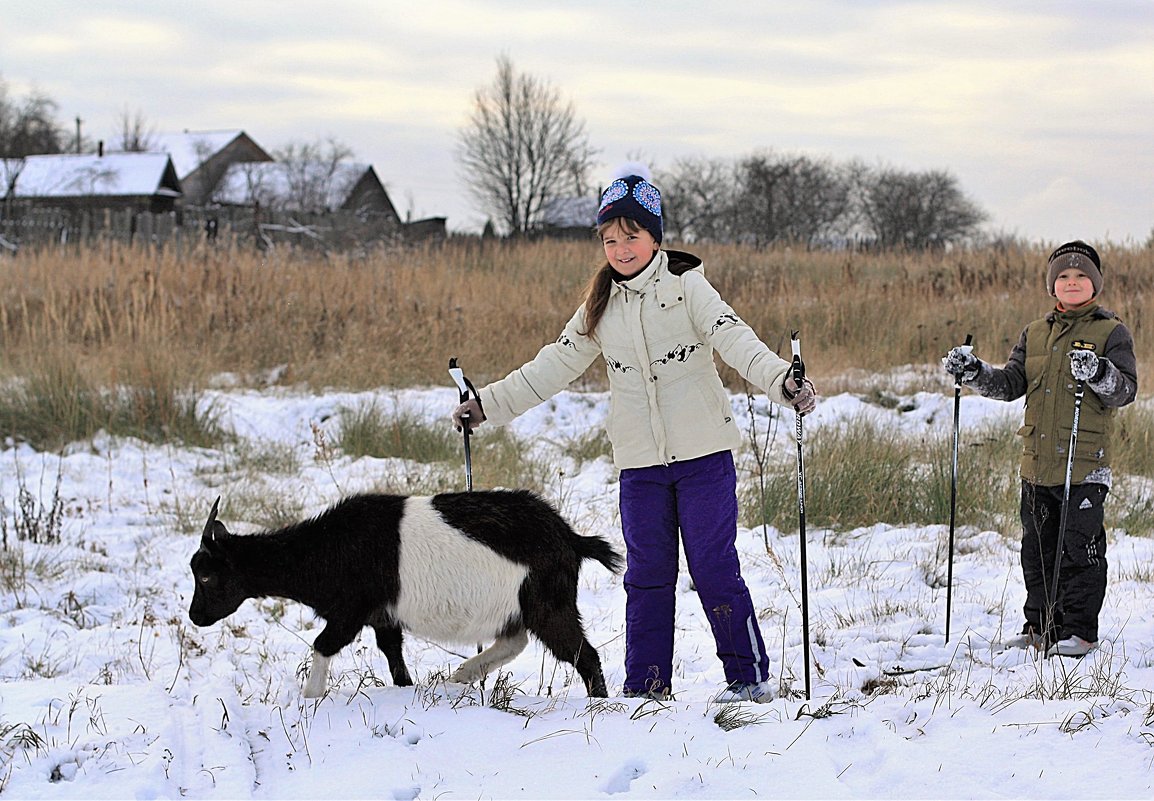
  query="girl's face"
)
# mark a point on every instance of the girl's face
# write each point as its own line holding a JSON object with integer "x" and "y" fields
{"x": 628, "y": 252}
{"x": 1073, "y": 288}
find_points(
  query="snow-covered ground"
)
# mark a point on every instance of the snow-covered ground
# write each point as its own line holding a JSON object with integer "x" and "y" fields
{"x": 108, "y": 691}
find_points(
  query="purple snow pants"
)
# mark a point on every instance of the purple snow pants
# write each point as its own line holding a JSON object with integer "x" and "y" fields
{"x": 699, "y": 499}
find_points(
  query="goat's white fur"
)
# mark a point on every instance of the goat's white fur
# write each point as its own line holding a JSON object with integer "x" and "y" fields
{"x": 453, "y": 589}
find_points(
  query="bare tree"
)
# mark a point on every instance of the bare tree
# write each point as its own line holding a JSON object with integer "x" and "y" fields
{"x": 918, "y": 210}
{"x": 136, "y": 135}
{"x": 521, "y": 147}
{"x": 699, "y": 200}
{"x": 791, "y": 198}
{"x": 28, "y": 128}
{"x": 313, "y": 172}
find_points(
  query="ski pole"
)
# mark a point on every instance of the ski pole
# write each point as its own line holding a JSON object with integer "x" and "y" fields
{"x": 465, "y": 386}
{"x": 1052, "y": 600}
{"x": 797, "y": 370}
{"x": 954, "y": 488}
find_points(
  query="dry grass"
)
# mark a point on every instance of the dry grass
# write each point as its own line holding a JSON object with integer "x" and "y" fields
{"x": 395, "y": 317}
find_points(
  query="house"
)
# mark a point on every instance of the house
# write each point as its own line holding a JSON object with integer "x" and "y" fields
{"x": 313, "y": 187}
{"x": 568, "y": 218}
{"x": 141, "y": 182}
{"x": 201, "y": 158}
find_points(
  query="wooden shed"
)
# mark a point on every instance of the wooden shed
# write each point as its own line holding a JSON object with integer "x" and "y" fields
{"x": 310, "y": 187}
{"x": 201, "y": 158}
{"x": 143, "y": 182}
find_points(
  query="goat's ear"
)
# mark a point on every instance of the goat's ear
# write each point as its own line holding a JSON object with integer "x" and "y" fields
{"x": 214, "y": 530}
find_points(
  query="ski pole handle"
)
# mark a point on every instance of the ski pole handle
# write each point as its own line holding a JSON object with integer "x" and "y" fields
{"x": 466, "y": 389}
{"x": 968, "y": 347}
{"x": 464, "y": 386}
{"x": 798, "y": 367}
{"x": 458, "y": 376}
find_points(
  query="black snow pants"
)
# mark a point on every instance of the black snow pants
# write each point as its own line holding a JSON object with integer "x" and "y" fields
{"x": 1082, "y": 577}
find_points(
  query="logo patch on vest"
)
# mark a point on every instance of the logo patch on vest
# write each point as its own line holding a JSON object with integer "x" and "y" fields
{"x": 1079, "y": 344}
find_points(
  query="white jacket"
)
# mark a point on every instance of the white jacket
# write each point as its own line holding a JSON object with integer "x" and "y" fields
{"x": 657, "y": 337}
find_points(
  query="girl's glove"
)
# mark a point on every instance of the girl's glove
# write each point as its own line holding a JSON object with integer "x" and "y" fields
{"x": 803, "y": 399}
{"x": 1084, "y": 365}
{"x": 471, "y": 412}
{"x": 961, "y": 363}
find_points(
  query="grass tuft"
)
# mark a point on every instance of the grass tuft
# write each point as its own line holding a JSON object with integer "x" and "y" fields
{"x": 860, "y": 472}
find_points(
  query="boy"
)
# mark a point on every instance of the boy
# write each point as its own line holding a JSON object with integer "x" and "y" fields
{"x": 1076, "y": 347}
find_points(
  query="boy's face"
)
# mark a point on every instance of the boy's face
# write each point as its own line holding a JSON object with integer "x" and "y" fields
{"x": 1073, "y": 287}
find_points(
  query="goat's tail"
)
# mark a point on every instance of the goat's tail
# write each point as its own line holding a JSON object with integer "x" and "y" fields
{"x": 599, "y": 549}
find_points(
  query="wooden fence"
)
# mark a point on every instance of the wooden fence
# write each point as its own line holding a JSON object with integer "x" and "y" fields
{"x": 26, "y": 226}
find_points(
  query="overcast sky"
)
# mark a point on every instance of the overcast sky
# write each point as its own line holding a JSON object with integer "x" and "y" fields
{"x": 1044, "y": 110}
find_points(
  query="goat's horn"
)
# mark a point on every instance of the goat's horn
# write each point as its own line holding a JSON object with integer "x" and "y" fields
{"x": 208, "y": 527}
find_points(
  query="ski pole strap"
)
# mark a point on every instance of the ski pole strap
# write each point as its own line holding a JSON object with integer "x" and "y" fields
{"x": 796, "y": 369}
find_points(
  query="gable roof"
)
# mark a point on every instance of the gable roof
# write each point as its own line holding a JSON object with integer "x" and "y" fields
{"x": 90, "y": 175}
{"x": 570, "y": 212}
{"x": 273, "y": 183}
{"x": 191, "y": 149}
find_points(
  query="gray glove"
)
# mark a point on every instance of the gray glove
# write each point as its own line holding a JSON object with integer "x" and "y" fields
{"x": 961, "y": 363}
{"x": 1084, "y": 364}
{"x": 470, "y": 411}
{"x": 803, "y": 399}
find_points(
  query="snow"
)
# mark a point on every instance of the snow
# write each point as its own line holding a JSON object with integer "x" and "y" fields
{"x": 108, "y": 691}
{"x": 190, "y": 149}
{"x": 80, "y": 175}
{"x": 267, "y": 182}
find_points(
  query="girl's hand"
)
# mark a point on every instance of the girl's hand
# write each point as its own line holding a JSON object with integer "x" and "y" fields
{"x": 803, "y": 399}
{"x": 469, "y": 412}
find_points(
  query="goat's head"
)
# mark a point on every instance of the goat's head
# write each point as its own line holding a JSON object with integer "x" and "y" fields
{"x": 217, "y": 588}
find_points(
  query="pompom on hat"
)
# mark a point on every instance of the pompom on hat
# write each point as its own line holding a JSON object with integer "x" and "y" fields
{"x": 632, "y": 195}
{"x": 1077, "y": 255}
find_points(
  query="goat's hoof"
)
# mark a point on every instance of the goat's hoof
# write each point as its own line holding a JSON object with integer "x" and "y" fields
{"x": 312, "y": 690}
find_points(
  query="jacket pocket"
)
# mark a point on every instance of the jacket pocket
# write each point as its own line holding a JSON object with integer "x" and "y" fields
{"x": 1029, "y": 443}
{"x": 1091, "y": 444}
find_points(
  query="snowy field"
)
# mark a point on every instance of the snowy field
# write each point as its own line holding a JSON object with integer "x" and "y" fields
{"x": 108, "y": 691}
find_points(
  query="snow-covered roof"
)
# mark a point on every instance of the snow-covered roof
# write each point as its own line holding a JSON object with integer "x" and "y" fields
{"x": 272, "y": 182}
{"x": 190, "y": 149}
{"x": 570, "y": 212}
{"x": 86, "y": 175}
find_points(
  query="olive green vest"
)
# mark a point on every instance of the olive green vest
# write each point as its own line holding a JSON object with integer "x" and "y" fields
{"x": 1050, "y": 399}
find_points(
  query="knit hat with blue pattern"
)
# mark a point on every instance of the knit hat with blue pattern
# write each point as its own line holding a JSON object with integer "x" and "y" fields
{"x": 633, "y": 196}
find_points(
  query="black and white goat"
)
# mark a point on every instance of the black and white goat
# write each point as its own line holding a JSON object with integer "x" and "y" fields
{"x": 458, "y": 567}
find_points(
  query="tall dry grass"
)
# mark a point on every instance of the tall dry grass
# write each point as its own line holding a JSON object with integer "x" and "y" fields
{"x": 395, "y": 317}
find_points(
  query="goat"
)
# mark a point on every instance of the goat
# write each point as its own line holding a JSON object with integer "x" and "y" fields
{"x": 455, "y": 567}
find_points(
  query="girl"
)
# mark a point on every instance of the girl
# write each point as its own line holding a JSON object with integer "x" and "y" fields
{"x": 656, "y": 321}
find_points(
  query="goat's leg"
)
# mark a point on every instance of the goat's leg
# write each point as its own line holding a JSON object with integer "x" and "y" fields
{"x": 560, "y": 631}
{"x": 336, "y": 635}
{"x": 389, "y": 640}
{"x": 503, "y": 650}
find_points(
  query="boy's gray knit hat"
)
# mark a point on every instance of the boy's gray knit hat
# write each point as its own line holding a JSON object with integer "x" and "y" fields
{"x": 1076, "y": 254}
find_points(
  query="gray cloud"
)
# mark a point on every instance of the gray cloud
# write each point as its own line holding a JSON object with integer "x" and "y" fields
{"x": 1044, "y": 111}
